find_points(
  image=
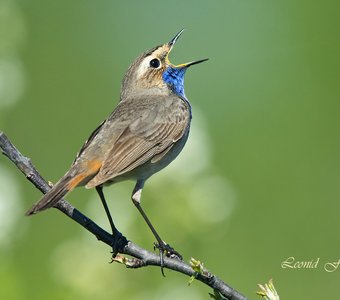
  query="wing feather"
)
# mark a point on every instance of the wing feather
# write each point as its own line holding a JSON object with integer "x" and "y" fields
{"x": 148, "y": 137}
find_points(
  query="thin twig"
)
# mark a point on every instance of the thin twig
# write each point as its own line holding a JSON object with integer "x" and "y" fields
{"x": 141, "y": 257}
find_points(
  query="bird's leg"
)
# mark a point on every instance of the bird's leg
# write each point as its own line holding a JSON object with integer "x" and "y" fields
{"x": 99, "y": 190}
{"x": 115, "y": 232}
{"x": 162, "y": 246}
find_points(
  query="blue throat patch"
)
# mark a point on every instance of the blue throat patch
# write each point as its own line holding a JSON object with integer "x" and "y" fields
{"x": 174, "y": 77}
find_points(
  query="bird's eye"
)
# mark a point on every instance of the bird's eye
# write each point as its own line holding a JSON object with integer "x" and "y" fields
{"x": 155, "y": 63}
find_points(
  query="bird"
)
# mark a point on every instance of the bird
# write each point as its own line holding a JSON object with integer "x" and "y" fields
{"x": 146, "y": 131}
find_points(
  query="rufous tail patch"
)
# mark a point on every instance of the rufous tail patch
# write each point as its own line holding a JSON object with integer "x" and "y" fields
{"x": 92, "y": 168}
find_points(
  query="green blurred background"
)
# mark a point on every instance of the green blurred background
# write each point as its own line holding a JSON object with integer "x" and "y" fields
{"x": 257, "y": 183}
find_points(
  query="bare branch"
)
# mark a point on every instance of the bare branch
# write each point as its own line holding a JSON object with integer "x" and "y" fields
{"x": 140, "y": 256}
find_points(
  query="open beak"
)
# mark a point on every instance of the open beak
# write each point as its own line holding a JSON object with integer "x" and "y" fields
{"x": 186, "y": 65}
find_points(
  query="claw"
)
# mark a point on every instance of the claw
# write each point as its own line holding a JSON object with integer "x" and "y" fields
{"x": 118, "y": 243}
{"x": 170, "y": 252}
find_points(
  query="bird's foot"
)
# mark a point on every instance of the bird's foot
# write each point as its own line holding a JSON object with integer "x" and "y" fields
{"x": 119, "y": 242}
{"x": 170, "y": 252}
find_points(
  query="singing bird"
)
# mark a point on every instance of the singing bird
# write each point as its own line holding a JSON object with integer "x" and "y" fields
{"x": 146, "y": 131}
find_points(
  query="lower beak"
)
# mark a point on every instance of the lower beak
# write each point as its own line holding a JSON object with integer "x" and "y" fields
{"x": 187, "y": 65}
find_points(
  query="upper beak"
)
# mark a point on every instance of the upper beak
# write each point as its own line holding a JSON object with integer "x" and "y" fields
{"x": 186, "y": 65}
{"x": 175, "y": 38}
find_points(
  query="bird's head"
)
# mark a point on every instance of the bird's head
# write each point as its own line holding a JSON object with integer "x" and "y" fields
{"x": 153, "y": 73}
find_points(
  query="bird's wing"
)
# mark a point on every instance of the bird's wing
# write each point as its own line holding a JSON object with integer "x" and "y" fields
{"x": 89, "y": 140}
{"x": 153, "y": 128}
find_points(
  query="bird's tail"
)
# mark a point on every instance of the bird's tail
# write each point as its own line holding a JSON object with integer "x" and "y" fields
{"x": 57, "y": 192}
{"x": 73, "y": 178}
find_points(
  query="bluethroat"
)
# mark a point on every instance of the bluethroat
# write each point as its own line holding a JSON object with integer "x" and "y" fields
{"x": 146, "y": 131}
